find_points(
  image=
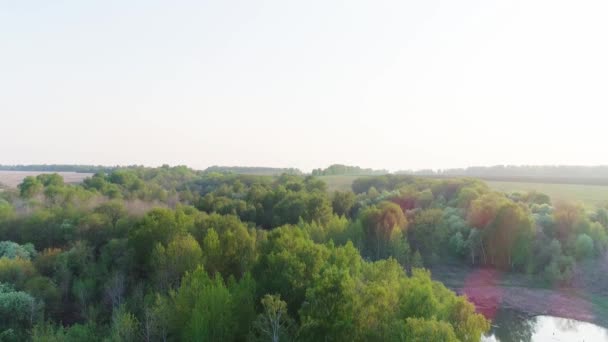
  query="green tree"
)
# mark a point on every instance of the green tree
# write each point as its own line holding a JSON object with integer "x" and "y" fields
{"x": 183, "y": 254}
{"x": 212, "y": 254}
{"x": 274, "y": 323}
{"x": 12, "y": 250}
{"x": 125, "y": 326}
{"x": 566, "y": 215}
{"x": 399, "y": 248}
{"x": 16, "y": 271}
{"x": 422, "y": 330}
{"x": 229, "y": 247}
{"x": 243, "y": 294}
{"x": 288, "y": 263}
{"x": 329, "y": 310}
{"x": 157, "y": 226}
{"x": 7, "y": 211}
{"x": 379, "y": 223}
{"x": 44, "y": 290}
{"x": 342, "y": 202}
{"x": 30, "y": 186}
{"x": 425, "y": 233}
{"x": 18, "y": 311}
{"x": 212, "y": 317}
{"x": 584, "y": 246}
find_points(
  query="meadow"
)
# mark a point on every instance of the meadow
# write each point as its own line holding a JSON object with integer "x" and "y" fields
{"x": 589, "y": 195}
{"x": 13, "y": 178}
{"x": 339, "y": 182}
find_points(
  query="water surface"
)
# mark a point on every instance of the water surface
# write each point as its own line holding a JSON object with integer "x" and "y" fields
{"x": 511, "y": 325}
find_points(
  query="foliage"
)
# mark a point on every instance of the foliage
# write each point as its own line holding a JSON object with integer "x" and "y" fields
{"x": 174, "y": 254}
{"x": 584, "y": 246}
{"x": 274, "y": 323}
{"x": 18, "y": 310}
{"x": 12, "y": 250}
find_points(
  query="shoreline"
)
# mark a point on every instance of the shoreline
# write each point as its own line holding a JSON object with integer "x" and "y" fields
{"x": 491, "y": 290}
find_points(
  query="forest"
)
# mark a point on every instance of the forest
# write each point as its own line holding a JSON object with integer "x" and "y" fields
{"x": 174, "y": 254}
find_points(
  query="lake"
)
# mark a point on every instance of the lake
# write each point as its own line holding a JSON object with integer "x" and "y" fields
{"x": 511, "y": 325}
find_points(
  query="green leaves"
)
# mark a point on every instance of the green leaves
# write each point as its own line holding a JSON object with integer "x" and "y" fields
{"x": 205, "y": 309}
{"x": 329, "y": 309}
{"x": 274, "y": 323}
{"x": 212, "y": 316}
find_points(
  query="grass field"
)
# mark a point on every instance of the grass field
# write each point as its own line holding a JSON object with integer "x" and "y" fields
{"x": 590, "y": 195}
{"x": 340, "y": 182}
{"x": 13, "y": 178}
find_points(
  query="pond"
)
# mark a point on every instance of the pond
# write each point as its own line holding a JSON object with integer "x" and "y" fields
{"x": 511, "y": 325}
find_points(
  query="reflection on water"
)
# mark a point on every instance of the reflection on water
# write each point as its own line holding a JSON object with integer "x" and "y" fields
{"x": 510, "y": 325}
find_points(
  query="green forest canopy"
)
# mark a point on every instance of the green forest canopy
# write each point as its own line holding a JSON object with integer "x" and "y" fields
{"x": 171, "y": 253}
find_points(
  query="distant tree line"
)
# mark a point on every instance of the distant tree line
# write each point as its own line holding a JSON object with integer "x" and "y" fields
{"x": 58, "y": 168}
{"x": 252, "y": 170}
{"x": 339, "y": 169}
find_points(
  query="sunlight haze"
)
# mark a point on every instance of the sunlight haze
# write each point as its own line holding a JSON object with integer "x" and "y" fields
{"x": 382, "y": 84}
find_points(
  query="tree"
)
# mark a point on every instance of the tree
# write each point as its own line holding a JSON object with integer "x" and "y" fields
{"x": 243, "y": 294}
{"x": 45, "y": 291}
{"x": 601, "y": 216}
{"x": 155, "y": 320}
{"x": 329, "y": 311}
{"x": 421, "y": 330}
{"x": 157, "y": 226}
{"x": 125, "y": 327}
{"x": 342, "y": 202}
{"x": 584, "y": 246}
{"x": 474, "y": 245}
{"x": 228, "y": 246}
{"x": 510, "y": 231}
{"x": 425, "y": 233}
{"x": 466, "y": 195}
{"x": 16, "y": 271}
{"x": 115, "y": 289}
{"x": 12, "y": 250}
{"x": 212, "y": 257}
{"x": 566, "y": 215}
{"x": 457, "y": 244}
{"x": 183, "y": 254}
{"x": 289, "y": 262}
{"x": 483, "y": 210}
{"x": 212, "y": 318}
{"x": 379, "y": 223}
{"x": 30, "y": 186}
{"x": 83, "y": 289}
{"x": 113, "y": 210}
{"x": 7, "y": 211}
{"x": 399, "y": 248}
{"x": 318, "y": 208}
{"x": 274, "y": 323}
{"x": 18, "y": 310}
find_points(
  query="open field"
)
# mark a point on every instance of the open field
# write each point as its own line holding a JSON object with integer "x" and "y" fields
{"x": 339, "y": 182}
{"x": 591, "y": 195}
{"x": 13, "y": 178}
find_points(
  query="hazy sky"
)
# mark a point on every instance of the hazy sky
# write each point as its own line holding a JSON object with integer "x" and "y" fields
{"x": 383, "y": 84}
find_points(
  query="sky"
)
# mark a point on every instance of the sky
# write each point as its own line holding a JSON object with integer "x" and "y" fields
{"x": 381, "y": 84}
